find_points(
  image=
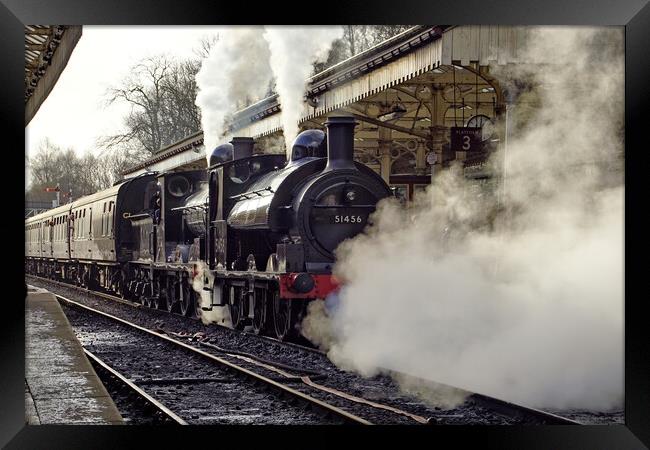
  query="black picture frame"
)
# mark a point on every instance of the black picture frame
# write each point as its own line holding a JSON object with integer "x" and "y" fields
{"x": 633, "y": 14}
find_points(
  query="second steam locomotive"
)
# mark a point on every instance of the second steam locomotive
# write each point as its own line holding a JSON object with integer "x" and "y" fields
{"x": 254, "y": 234}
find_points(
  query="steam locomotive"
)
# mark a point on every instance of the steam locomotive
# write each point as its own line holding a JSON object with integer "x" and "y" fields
{"x": 253, "y": 235}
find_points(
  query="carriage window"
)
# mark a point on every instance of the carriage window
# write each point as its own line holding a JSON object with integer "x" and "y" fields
{"x": 110, "y": 218}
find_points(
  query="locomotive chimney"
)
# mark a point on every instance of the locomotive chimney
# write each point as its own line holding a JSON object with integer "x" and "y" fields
{"x": 340, "y": 142}
{"x": 242, "y": 147}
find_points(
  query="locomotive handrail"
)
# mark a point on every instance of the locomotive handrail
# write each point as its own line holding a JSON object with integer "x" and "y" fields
{"x": 257, "y": 192}
{"x": 135, "y": 216}
{"x": 346, "y": 206}
{"x": 180, "y": 208}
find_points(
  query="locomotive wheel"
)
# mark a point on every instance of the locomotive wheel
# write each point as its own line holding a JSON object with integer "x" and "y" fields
{"x": 156, "y": 301}
{"x": 260, "y": 308}
{"x": 284, "y": 317}
{"x": 119, "y": 286}
{"x": 197, "y": 312}
{"x": 187, "y": 300}
{"x": 171, "y": 297}
{"x": 237, "y": 307}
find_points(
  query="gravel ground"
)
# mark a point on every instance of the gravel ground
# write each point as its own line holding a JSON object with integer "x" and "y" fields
{"x": 170, "y": 374}
{"x": 616, "y": 417}
{"x": 381, "y": 389}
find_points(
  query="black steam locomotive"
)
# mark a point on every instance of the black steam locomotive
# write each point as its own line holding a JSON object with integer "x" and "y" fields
{"x": 254, "y": 235}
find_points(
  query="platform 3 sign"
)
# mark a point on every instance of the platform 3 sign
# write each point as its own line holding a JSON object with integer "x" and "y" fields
{"x": 466, "y": 139}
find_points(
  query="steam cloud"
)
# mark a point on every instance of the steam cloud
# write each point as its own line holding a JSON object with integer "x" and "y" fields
{"x": 518, "y": 296}
{"x": 217, "y": 314}
{"x": 293, "y": 51}
{"x": 237, "y": 68}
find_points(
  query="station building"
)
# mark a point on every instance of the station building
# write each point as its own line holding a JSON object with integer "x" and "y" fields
{"x": 422, "y": 99}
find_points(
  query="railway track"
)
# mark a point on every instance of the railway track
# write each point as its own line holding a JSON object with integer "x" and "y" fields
{"x": 487, "y": 409}
{"x": 135, "y": 304}
{"x": 186, "y": 376}
{"x": 160, "y": 413}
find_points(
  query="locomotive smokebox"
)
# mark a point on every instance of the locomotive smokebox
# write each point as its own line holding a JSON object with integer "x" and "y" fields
{"x": 242, "y": 147}
{"x": 340, "y": 143}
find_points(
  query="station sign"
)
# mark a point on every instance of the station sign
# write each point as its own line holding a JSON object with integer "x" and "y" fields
{"x": 466, "y": 139}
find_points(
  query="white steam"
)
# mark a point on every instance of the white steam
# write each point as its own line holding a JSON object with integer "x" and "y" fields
{"x": 294, "y": 49}
{"x": 236, "y": 69}
{"x": 218, "y": 314}
{"x": 522, "y": 298}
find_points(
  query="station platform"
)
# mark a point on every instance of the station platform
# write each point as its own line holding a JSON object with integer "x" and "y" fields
{"x": 61, "y": 387}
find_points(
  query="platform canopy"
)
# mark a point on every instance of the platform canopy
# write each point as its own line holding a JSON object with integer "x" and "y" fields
{"x": 406, "y": 93}
{"x": 47, "y": 50}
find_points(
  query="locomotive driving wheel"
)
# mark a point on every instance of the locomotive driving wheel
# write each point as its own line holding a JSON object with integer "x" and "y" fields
{"x": 260, "y": 308}
{"x": 237, "y": 306}
{"x": 146, "y": 294}
{"x": 119, "y": 286}
{"x": 187, "y": 301}
{"x": 284, "y": 316}
{"x": 156, "y": 301}
{"x": 170, "y": 295}
{"x": 196, "y": 310}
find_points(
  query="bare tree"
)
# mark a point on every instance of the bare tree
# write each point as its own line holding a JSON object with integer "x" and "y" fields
{"x": 42, "y": 165}
{"x": 356, "y": 39}
{"x": 117, "y": 161}
{"x": 161, "y": 94}
{"x": 205, "y": 45}
{"x": 54, "y": 166}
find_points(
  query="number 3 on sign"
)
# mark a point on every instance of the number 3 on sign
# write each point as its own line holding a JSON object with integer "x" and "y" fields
{"x": 466, "y": 143}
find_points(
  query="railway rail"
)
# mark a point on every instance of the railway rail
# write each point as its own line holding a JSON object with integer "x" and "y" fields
{"x": 165, "y": 415}
{"x": 305, "y": 378}
{"x": 135, "y": 304}
{"x": 228, "y": 371}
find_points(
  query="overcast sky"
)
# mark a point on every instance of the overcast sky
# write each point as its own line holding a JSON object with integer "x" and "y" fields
{"x": 74, "y": 114}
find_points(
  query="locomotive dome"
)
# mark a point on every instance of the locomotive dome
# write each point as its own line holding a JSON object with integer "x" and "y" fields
{"x": 221, "y": 154}
{"x": 309, "y": 143}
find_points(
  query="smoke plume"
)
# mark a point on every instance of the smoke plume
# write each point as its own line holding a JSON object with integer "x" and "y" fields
{"x": 518, "y": 295}
{"x": 294, "y": 49}
{"x": 236, "y": 70}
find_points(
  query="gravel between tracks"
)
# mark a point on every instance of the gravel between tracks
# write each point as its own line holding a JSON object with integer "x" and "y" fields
{"x": 381, "y": 388}
{"x": 165, "y": 372}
